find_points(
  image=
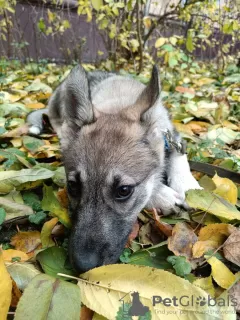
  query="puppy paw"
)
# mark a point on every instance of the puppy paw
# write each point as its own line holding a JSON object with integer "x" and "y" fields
{"x": 181, "y": 184}
{"x": 169, "y": 201}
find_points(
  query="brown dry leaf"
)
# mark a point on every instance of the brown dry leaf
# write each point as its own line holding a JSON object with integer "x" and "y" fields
{"x": 16, "y": 294}
{"x": 183, "y": 128}
{"x": 145, "y": 234}
{"x": 10, "y": 254}
{"x": 235, "y": 292}
{"x": 164, "y": 227}
{"x": 20, "y": 131}
{"x": 37, "y": 105}
{"x": 211, "y": 237}
{"x": 184, "y": 90}
{"x": 198, "y": 126}
{"x": 231, "y": 248}
{"x": 133, "y": 234}
{"x": 46, "y": 233}
{"x": 26, "y": 241}
{"x": 63, "y": 198}
{"x": 182, "y": 240}
{"x": 86, "y": 313}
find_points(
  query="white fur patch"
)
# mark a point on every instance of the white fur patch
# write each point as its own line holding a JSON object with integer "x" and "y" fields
{"x": 34, "y": 130}
{"x": 180, "y": 178}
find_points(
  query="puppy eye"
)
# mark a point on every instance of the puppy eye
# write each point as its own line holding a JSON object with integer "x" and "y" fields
{"x": 124, "y": 192}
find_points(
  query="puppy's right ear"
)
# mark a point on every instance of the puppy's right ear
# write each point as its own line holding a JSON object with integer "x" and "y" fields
{"x": 78, "y": 106}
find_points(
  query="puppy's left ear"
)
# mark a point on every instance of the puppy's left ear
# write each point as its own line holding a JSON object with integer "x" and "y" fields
{"x": 147, "y": 98}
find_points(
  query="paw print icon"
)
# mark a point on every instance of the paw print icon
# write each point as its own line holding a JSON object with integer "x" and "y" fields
{"x": 201, "y": 301}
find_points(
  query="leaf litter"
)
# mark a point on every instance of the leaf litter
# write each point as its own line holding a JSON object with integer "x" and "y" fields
{"x": 197, "y": 253}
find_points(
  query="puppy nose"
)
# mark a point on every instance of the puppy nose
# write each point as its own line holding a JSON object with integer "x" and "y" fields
{"x": 85, "y": 262}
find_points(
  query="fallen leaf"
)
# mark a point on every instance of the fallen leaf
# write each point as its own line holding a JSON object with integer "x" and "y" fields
{"x": 206, "y": 284}
{"x": 211, "y": 237}
{"x": 213, "y": 204}
{"x": 14, "y": 209}
{"x": 54, "y": 298}
{"x": 109, "y": 287}
{"x": 226, "y": 189}
{"x": 16, "y": 294}
{"x": 133, "y": 234}
{"x": 5, "y": 289}
{"x": 22, "y": 273}
{"x": 51, "y": 203}
{"x": 221, "y": 274}
{"x": 231, "y": 248}
{"x": 23, "y": 179}
{"x": 37, "y": 105}
{"x": 12, "y": 255}
{"x": 63, "y": 197}
{"x": 46, "y": 233}
{"x": 235, "y": 293}
{"x": 86, "y": 313}
{"x": 182, "y": 240}
{"x": 53, "y": 260}
{"x": 17, "y": 132}
{"x": 163, "y": 227}
{"x": 185, "y": 89}
{"x": 26, "y": 241}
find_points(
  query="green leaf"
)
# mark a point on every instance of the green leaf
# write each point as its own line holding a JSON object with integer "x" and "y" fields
{"x": 31, "y": 199}
{"x": 38, "y": 217}
{"x": 32, "y": 144}
{"x": 154, "y": 256}
{"x": 97, "y": 4}
{"x": 22, "y": 273}
{"x": 51, "y": 203}
{"x": 189, "y": 42}
{"x": 160, "y": 42}
{"x": 49, "y": 299}
{"x": 41, "y": 25}
{"x": 2, "y": 215}
{"x": 53, "y": 260}
{"x": 213, "y": 204}
{"x": 180, "y": 264}
{"x": 14, "y": 110}
{"x": 60, "y": 177}
{"x": 23, "y": 179}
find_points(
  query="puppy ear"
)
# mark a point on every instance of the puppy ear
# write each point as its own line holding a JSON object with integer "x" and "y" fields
{"x": 147, "y": 98}
{"x": 77, "y": 99}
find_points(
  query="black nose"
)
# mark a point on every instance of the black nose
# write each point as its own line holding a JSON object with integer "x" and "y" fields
{"x": 85, "y": 262}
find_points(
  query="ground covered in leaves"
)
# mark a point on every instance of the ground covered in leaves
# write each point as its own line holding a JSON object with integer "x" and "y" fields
{"x": 194, "y": 254}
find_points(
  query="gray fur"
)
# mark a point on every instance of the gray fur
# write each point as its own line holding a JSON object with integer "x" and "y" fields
{"x": 111, "y": 130}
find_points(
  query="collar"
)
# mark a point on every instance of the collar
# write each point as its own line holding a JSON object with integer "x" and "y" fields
{"x": 171, "y": 144}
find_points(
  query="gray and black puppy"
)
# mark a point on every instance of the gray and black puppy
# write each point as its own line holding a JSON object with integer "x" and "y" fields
{"x": 116, "y": 144}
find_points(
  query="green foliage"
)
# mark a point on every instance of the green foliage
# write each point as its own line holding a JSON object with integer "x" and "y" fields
{"x": 180, "y": 264}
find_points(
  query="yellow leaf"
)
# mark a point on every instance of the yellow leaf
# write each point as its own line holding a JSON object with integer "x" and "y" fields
{"x": 26, "y": 241}
{"x": 37, "y": 105}
{"x": 160, "y": 42}
{"x": 5, "y": 289}
{"x": 46, "y": 232}
{"x": 147, "y": 21}
{"x": 226, "y": 189}
{"x": 10, "y": 254}
{"x": 114, "y": 284}
{"x": 206, "y": 284}
{"x": 211, "y": 237}
{"x": 221, "y": 274}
